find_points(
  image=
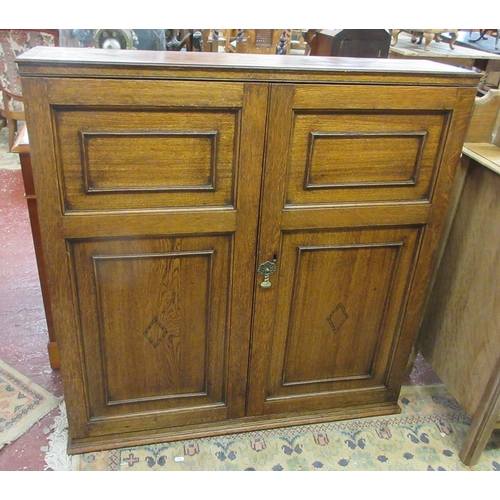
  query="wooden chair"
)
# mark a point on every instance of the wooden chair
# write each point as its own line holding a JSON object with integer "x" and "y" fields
{"x": 264, "y": 41}
{"x": 12, "y": 44}
{"x": 298, "y": 44}
{"x": 218, "y": 40}
{"x": 184, "y": 39}
{"x": 223, "y": 40}
{"x": 254, "y": 41}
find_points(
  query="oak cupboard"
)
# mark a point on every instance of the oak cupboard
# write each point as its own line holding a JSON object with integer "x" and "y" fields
{"x": 236, "y": 242}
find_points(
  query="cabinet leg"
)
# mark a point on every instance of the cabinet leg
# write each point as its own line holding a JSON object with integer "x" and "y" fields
{"x": 53, "y": 355}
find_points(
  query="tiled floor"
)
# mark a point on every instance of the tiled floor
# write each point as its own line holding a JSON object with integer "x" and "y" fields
{"x": 23, "y": 331}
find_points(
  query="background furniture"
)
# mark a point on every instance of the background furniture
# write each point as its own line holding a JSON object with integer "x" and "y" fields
{"x": 255, "y": 41}
{"x": 12, "y": 44}
{"x": 140, "y": 39}
{"x": 248, "y": 41}
{"x": 461, "y": 56}
{"x": 116, "y": 39}
{"x": 236, "y": 242}
{"x": 349, "y": 43}
{"x": 482, "y": 36}
{"x": 429, "y": 35}
{"x": 21, "y": 146}
{"x": 263, "y": 41}
{"x": 460, "y": 333}
{"x": 485, "y": 62}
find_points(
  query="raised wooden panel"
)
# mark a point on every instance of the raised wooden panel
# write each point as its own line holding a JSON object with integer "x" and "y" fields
{"x": 168, "y": 281}
{"x": 115, "y": 162}
{"x": 154, "y": 316}
{"x": 326, "y": 306}
{"x": 363, "y": 159}
{"x": 354, "y": 156}
{"x": 112, "y": 159}
{"x": 336, "y": 316}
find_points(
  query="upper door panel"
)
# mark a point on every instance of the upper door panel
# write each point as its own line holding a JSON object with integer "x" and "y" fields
{"x": 166, "y": 145}
{"x": 351, "y": 145}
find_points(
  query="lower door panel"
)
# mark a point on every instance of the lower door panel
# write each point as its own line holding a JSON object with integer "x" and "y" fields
{"x": 154, "y": 320}
{"x": 337, "y": 300}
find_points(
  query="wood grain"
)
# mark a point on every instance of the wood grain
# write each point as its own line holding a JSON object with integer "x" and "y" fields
{"x": 344, "y": 150}
{"x": 249, "y": 67}
{"x": 459, "y": 334}
{"x": 163, "y": 328}
{"x": 486, "y": 154}
{"x": 483, "y": 124}
{"x": 460, "y": 321}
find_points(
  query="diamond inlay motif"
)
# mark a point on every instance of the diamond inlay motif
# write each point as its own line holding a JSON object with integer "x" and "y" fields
{"x": 338, "y": 317}
{"x": 155, "y": 332}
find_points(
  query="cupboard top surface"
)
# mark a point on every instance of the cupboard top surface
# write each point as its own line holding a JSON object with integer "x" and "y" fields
{"x": 70, "y": 61}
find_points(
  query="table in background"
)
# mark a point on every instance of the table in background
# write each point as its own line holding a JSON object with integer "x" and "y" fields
{"x": 441, "y": 52}
{"x": 21, "y": 146}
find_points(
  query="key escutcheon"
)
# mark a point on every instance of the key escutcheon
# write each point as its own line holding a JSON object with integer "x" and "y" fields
{"x": 266, "y": 269}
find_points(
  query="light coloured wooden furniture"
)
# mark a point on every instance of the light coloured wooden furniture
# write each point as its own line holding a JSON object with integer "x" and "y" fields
{"x": 460, "y": 333}
{"x": 237, "y": 241}
{"x": 22, "y": 148}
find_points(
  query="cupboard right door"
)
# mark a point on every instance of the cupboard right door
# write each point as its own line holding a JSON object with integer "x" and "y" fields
{"x": 347, "y": 218}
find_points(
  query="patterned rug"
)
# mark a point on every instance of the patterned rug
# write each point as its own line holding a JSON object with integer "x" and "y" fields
{"x": 22, "y": 404}
{"x": 426, "y": 436}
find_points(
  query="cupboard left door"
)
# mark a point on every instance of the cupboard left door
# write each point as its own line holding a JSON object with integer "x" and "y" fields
{"x": 148, "y": 205}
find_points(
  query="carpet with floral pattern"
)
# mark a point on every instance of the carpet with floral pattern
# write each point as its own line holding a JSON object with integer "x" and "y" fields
{"x": 22, "y": 404}
{"x": 426, "y": 436}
